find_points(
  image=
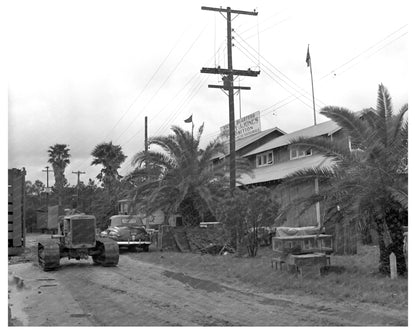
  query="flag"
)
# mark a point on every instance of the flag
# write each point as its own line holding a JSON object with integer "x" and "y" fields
{"x": 189, "y": 120}
{"x": 308, "y": 58}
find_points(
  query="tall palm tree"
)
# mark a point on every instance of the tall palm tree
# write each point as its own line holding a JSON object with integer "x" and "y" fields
{"x": 180, "y": 178}
{"x": 59, "y": 159}
{"x": 110, "y": 157}
{"x": 368, "y": 181}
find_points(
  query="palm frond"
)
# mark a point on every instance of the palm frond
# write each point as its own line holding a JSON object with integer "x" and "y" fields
{"x": 212, "y": 149}
{"x": 400, "y": 196}
{"x": 334, "y": 149}
{"x": 375, "y": 124}
{"x": 384, "y": 106}
{"x": 384, "y": 110}
{"x": 348, "y": 121}
{"x": 398, "y": 123}
{"x": 306, "y": 175}
{"x": 168, "y": 144}
{"x": 200, "y": 131}
{"x": 153, "y": 158}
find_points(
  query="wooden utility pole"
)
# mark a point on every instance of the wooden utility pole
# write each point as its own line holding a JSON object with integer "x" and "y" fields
{"x": 78, "y": 173}
{"x": 228, "y": 78}
{"x": 146, "y": 146}
{"x": 47, "y": 184}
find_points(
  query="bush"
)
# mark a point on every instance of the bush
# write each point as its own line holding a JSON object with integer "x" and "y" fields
{"x": 244, "y": 213}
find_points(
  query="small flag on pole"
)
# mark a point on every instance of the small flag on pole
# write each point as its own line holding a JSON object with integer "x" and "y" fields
{"x": 189, "y": 120}
{"x": 308, "y": 58}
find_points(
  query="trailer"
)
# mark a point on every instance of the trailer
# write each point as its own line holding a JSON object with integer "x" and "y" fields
{"x": 16, "y": 211}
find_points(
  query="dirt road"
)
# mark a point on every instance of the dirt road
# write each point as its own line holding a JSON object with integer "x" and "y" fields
{"x": 141, "y": 294}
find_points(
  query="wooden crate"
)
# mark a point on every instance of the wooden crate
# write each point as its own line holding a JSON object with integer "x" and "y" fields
{"x": 307, "y": 265}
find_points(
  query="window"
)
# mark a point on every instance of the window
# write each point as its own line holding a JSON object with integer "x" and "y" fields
{"x": 264, "y": 159}
{"x": 353, "y": 145}
{"x": 298, "y": 153}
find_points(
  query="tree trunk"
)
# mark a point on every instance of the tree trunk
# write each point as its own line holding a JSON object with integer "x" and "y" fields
{"x": 394, "y": 224}
{"x": 365, "y": 232}
{"x": 252, "y": 244}
{"x": 384, "y": 262}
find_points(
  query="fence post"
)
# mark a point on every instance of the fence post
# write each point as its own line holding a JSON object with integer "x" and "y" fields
{"x": 393, "y": 266}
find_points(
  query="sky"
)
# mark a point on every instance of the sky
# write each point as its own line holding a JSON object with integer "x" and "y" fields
{"x": 87, "y": 72}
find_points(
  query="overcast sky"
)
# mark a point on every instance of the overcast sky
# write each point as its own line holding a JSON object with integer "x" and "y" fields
{"x": 87, "y": 72}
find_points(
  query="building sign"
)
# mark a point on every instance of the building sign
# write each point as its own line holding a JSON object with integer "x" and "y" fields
{"x": 244, "y": 127}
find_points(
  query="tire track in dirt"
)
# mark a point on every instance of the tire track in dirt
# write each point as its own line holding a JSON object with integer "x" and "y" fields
{"x": 137, "y": 293}
{"x": 319, "y": 312}
{"x": 174, "y": 298}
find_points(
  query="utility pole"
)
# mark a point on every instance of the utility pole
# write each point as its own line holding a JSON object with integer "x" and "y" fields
{"x": 78, "y": 173}
{"x": 228, "y": 78}
{"x": 146, "y": 148}
{"x": 47, "y": 184}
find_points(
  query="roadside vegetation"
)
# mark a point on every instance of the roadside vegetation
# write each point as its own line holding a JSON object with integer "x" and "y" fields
{"x": 350, "y": 279}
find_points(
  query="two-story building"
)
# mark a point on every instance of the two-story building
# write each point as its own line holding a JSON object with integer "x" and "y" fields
{"x": 277, "y": 158}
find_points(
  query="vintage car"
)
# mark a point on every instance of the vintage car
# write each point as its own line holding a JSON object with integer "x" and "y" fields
{"x": 128, "y": 231}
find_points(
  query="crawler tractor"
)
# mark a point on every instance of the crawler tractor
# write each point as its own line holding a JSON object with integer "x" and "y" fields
{"x": 77, "y": 239}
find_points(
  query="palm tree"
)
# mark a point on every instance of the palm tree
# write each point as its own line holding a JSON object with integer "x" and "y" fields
{"x": 368, "y": 181}
{"x": 59, "y": 159}
{"x": 110, "y": 157}
{"x": 181, "y": 178}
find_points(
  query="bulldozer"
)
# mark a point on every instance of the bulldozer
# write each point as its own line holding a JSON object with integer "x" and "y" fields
{"x": 77, "y": 239}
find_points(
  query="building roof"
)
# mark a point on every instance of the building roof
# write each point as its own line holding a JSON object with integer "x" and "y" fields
{"x": 281, "y": 170}
{"x": 241, "y": 143}
{"x": 328, "y": 128}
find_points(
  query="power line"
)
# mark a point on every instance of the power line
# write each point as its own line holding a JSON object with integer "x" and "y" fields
{"x": 263, "y": 21}
{"x": 366, "y": 50}
{"x": 276, "y": 105}
{"x": 160, "y": 129}
{"x": 292, "y": 83}
{"x": 140, "y": 130}
{"x": 268, "y": 28}
{"x": 148, "y": 82}
{"x": 289, "y": 99}
{"x": 275, "y": 78}
{"x": 181, "y": 107}
{"x": 189, "y": 82}
{"x": 371, "y": 54}
{"x": 143, "y": 89}
{"x": 164, "y": 82}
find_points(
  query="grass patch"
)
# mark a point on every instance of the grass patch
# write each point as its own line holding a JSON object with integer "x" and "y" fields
{"x": 352, "y": 278}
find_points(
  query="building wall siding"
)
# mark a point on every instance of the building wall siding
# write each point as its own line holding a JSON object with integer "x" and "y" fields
{"x": 289, "y": 195}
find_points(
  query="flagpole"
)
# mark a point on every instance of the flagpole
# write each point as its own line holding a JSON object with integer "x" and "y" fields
{"x": 309, "y": 62}
{"x": 191, "y": 120}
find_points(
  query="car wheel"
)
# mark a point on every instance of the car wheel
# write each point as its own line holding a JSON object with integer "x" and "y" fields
{"x": 132, "y": 248}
